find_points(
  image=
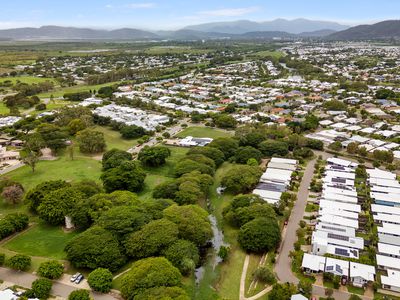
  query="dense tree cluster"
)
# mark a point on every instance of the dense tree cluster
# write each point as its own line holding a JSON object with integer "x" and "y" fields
{"x": 129, "y": 176}
{"x": 190, "y": 188}
{"x": 103, "y": 250}
{"x": 154, "y": 156}
{"x": 150, "y": 273}
{"x": 241, "y": 178}
{"x": 259, "y": 229}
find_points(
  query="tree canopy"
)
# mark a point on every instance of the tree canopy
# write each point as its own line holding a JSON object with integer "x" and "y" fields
{"x": 95, "y": 248}
{"x": 260, "y": 235}
{"x": 192, "y": 222}
{"x": 241, "y": 178}
{"x": 149, "y": 273}
{"x": 129, "y": 176}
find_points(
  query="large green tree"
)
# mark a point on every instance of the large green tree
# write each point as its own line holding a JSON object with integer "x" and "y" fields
{"x": 192, "y": 222}
{"x": 149, "y": 273}
{"x": 129, "y": 176}
{"x": 122, "y": 220}
{"x": 151, "y": 239}
{"x": 241, "y": 179}
{"x": 36, "y": 195}
{"x": 95, "y": 248}
{"x": 260, "y": 235}
{"x": 184, "y": 255}
{"x": 57, "y": 204}
{"x": 228, "y": 146}
{"x": 91, "y": 141}
{"x": 154, "y": 156}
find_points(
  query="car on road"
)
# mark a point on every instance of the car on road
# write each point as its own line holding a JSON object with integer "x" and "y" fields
{"x": 79, "y": 279}
{"x": 73, "y": 277}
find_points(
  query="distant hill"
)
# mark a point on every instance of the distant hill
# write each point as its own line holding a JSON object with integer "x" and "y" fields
{"x": 72, "y": 33}
{"x": 295, "y": 26}
{"x": 382, "y": 30}
{"x": 317, "y": 33}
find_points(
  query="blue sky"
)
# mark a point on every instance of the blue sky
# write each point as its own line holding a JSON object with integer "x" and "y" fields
{"x": 173, "y": 14}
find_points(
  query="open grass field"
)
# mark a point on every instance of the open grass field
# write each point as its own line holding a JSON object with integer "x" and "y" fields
{"x": 14, "y": 58}
{"x": 114, "y": 140}
{"x": 275, "y": 54}
{"x": 80, "y": 168}
{"x": 155, "y": 176}
{"x": 41, "y": 240}
{"x": 197, "y": 131}
{"x": 27, "y": 79}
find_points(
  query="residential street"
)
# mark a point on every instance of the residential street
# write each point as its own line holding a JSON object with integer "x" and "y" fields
{"x": 59, "y": 289}
{"x": 283, "y": 263}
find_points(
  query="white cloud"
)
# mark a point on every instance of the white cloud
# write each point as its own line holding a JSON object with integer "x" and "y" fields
{"x": 229, "y": 12}
{"x": 141, "y": 5}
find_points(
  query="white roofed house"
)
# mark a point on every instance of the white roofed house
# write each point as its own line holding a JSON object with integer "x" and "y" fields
{"x": 337, "y": 267}
{"x": 361, "y": 274}
{"x": 313, "y": 263}
{"x": 391, "y": 281}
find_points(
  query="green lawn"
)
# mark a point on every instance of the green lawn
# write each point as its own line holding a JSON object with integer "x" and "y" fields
{"x": 27, "y": 79}
{"x": 114, "y": 140}
{"x": 197, "y": 131}
{"x": 155, "y": 176}
{"x": 82, "y": 167}
{"x": 355, "y": 290}
{"x": 41, "y": 240}
{"x": 275, "y": 54}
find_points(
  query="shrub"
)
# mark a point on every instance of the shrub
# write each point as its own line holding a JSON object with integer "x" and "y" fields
{"x": 100, "y": 280}
{"x": 41, "y": 288}
{"x": 19, "y": 262}
{"x": 51, "y": 269}
{"x": 265, "y": 275}
{"x": 79, "y": 295}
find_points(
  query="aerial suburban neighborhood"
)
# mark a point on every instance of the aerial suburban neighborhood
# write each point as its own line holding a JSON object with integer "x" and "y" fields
{"x": 202, "y": 158}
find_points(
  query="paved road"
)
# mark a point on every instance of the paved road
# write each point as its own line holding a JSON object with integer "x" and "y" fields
{"x": 153, "y": 141}
{"x": 283, "y": 264}
{"x": 59, "y": 289}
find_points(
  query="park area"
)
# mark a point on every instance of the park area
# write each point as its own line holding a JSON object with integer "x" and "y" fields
{"x": 204, "y": 132}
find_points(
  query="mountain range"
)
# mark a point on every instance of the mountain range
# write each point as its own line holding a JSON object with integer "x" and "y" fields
{"x": 383, "y": 30}
{"x": 295, "y": 26}
{"x": 280, "y": 28}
